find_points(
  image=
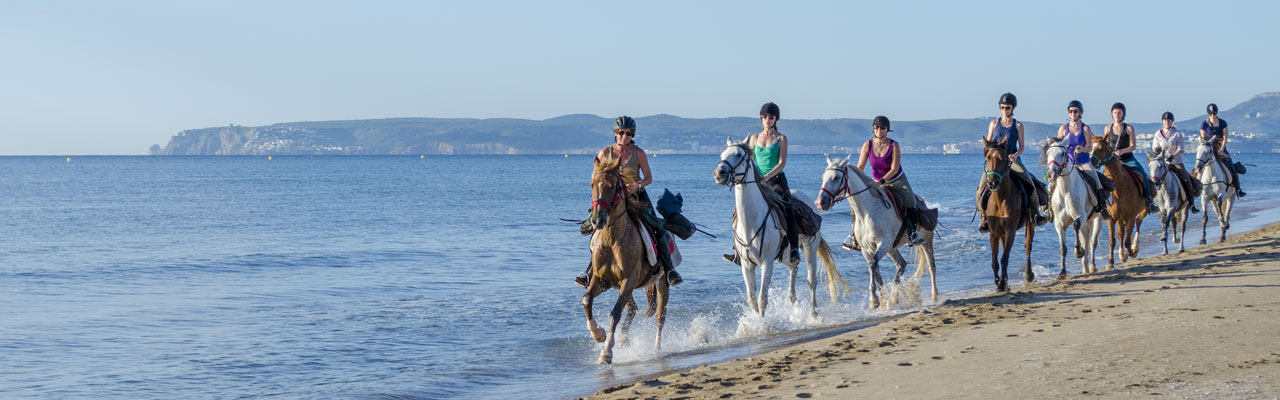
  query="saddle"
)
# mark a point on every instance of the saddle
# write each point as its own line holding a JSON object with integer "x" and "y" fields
{"x": 650, "y": 246}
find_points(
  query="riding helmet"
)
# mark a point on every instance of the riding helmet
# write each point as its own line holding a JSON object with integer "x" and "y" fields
{"x": 1212, "y": 109}
{"x": 1119, "y": 106}
{"x": 1167, "y": 115}
{"x": 1010, "y": 99}
{"x": 770, "y": 109}
{"x": 1076, "y": 104}
{"x": 624, "y": 122}
{"x": 880, "y": 121}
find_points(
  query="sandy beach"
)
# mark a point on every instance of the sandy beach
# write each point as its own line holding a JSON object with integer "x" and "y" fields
{"x": 1204, "y": 323}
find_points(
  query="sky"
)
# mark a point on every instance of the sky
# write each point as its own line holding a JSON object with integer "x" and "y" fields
{"x": 90, "y": 77}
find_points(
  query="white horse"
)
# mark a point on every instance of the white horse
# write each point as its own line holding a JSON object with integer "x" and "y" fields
{"x": 876, "y": 225}
{"x": 757, "y": 237}
{"x": 1174, "y": 211}
{"x": 1213, "y": 178}
{"x": 1072, "y": 203}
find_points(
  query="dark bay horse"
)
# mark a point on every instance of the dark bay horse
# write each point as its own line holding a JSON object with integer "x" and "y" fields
{"x": 618, "y": 259}
{"x": 1005, "y": 213}
{"x": 1127, "y": 207}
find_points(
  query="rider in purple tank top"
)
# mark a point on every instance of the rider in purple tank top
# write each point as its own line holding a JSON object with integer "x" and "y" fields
{"x": 1075, "y": 134}
{"x": 886, "y": 168}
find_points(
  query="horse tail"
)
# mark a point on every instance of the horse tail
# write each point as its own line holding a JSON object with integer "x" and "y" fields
{"x": 833, "y": 275}
{"x": 922, "y": 256}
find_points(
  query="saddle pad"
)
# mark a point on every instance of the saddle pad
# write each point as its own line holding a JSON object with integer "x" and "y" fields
{"x": 650, "y": 254}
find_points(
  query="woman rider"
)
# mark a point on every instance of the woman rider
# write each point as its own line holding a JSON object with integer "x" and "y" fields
{"x": 1216, "y": 128}
{"x": 636, "y": 175}
{"x": 769, "y": 148}
{"x": 1168, "y": 142}
{"x": 1120, "y": 136}
{"x": 885, "y": 157}
{"x": 1008, "y": 128}
{"x": 1075, "y": 134}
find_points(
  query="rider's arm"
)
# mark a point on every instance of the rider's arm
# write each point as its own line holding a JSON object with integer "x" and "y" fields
{"x": 1062, "y": 131}
{"x": 1022, "y": 144}
{"x": 862, "y": 155}
{"x": 991, "y": 130}
{"x": 644, "y": 169}
{"x": 1222, "y": 147}
{"x": 896, "y": 164}
{"x": 1133, "y": 144}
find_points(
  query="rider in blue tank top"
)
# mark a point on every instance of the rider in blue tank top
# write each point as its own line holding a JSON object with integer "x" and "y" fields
{"x": 1006, "y": 127}
{"x": 1075, "y": 136}
{"x": 1216, "y": 128}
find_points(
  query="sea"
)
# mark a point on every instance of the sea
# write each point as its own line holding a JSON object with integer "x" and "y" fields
{"x": 412, "y": 277}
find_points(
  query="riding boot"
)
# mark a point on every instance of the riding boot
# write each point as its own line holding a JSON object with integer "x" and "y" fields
{"x": 793, "y": 233}
{"x": 664, "y": 258}
{"x": 912, "y": 219}
{"x": 584, "y": 278}
{"x": 982, "y": 195}
{"x": 731, "y": 256}
{"x": 851, "y": 243}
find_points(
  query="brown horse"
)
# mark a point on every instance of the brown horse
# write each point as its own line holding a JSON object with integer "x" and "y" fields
{"x": 1127, "y": 206}
{"x": 1005, "y": 213}
{"x": 618, "y": 259}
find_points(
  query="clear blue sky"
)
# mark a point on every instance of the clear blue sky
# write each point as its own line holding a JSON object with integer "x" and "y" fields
{"x": 115, "y": 77}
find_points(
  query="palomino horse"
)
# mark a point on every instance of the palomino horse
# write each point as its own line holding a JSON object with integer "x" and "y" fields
{"x": 1174, "y": 211}
{"x": 1127, "y": 206}
{"x": 876, "y": 224}
{"x": 1213, "y": 177}
{"x": 757, "y": 238}
{"x": 1072, "y": 205}
{"x": 618, "y": 259}
{"x": 1005, "y": 213}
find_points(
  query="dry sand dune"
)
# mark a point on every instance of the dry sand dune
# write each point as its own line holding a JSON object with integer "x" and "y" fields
{"x": 1201, "y": 324}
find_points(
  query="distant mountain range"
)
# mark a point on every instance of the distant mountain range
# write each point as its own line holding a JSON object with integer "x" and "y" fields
{"x": 1255, "y": 125}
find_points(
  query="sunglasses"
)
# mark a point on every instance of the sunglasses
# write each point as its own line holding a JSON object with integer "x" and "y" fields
{"x": 768, "y": 116}
{"x": 1074, "y": 111}
{"x": 628, "y": 132}
{"x": 1006, "y": 107}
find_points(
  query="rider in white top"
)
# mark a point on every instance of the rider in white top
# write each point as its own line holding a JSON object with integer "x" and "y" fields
{"x": 1169, "y": 142}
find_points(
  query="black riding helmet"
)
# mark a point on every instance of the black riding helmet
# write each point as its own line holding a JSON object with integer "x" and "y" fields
{"x": 624, "y": 122}
{"x": 1076, "y": 104}
{"x": 1167, "y": 115}
{"x": 770, "y": 109}
{"x": 1119, "y": 106}
{"x": 881, "y": 121}
{"x": 1010, "y": 99}
{"x": 1212, "y": 109}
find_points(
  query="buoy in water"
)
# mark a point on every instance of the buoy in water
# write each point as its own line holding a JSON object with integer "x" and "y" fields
{"x": 422, "y": 157}
{"x": 68, "y": 159}
{"x": 566, "y": 156}
{"x": 268, "y": 158}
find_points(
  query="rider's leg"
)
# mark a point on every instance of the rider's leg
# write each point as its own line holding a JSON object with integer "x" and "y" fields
{"x": 1039, "y": 197}
{"x": 1231, "y": 168}
{"x": 978, "y": 197}
{"x": 779, "y": 184}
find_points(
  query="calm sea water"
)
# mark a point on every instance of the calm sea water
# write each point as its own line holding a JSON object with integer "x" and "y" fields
{"x": 396, "y": 277}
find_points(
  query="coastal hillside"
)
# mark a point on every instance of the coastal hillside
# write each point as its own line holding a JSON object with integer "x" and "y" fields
{"x": 1255, "y": 125}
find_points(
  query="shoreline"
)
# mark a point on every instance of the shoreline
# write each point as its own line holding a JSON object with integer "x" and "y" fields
{"x": 1068, "y": 338}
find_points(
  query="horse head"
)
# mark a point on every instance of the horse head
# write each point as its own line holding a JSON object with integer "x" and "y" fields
{"x": 1054, "y": 154}
{"x": 998, "y": 164}
{"x": 835, "y": 183}
{"x": 608, "y": 192}
{"x": 735, "y": 164}
{"x": 1101, "y": 152}
{"x": 1205, "y": 153}
{"x": 1158, "y": 166}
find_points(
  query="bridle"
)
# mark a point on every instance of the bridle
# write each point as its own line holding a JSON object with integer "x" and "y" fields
{"x": 843, "y": 192}
{"x": 1056, "y": 168}
{"x": 619, "y": 191}
{"x": 1000, "y": 176}
{"x": 735, "y": 176}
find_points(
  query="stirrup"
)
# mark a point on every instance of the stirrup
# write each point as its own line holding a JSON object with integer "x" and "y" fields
{"x": 731, "y": 257}
{"x": 673, "y": 278}
{"x": 583, "y": 279}
{"x": 795, "y": 255}
{"x": 914, "y": 240}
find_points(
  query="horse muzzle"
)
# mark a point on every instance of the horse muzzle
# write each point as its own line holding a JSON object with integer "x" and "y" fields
{"x": 722, "y": 176}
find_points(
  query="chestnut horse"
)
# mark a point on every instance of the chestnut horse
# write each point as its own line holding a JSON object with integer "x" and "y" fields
{"x": 1127, "y": 207}
{"x": 1005, "y": 213}
{"x": 618, "y": 259}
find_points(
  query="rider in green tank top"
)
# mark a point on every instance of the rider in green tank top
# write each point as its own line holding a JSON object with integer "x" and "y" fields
{"x": 766, "y": 158}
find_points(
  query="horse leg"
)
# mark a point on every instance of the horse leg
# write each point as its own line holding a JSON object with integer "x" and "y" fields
{"x": 928, "y": 258}
{"x": 1079, "y": 247}
{"x": 624, "y": 296}
{"x": 1111, "y": 243}
{"x": 995, "y": 258}
{"x": 873, "y": 274}
{"x": 1030, "y": 234}
{"x": 1182, "y": 237}
{"x": 1204, "y": 217}
{"x": 1134, "y": 230}
{"x": 1225, "y": 212}
{"x": 1164, "y": 233}
{"x": 651, "y": 296}
{"x": 792, "y": 270}
{"x": 1062, "y": 246}
{"x": 1095, "y": 230}
{"x": 811, "y": 261}
{"x": 898, "y": 262}
{"x": 766, "y": 274}
{"x": 594, "y": 288}
{"x": 629, "y": 314}
{"x": 663, "y": 289}
{"x": 1004, "y": 259}
{"x": 749, "y": 275}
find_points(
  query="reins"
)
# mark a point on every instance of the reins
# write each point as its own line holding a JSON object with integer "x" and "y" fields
{"x": 844, "y": 192}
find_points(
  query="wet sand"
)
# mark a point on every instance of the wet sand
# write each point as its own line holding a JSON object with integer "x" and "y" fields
{"x": 1201, "y": 324}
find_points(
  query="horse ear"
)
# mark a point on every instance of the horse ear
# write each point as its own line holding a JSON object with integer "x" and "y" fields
{"x": 728, "y": 141}
{"x": 846, "y": 159}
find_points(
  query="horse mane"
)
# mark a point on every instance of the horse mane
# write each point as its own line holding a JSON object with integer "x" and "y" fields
{"x": 770, "y": 196}
{"x": 609, "y": 163}
{"x": 866, "y": 180}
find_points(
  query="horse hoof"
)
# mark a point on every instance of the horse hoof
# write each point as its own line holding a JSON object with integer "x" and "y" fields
{"x": 1062, "y": 276}
{"x": 598, "y": 335}
{"x": 605, "y": 359}
{"x": 1201, "y": 241}
{"x": 1079, "y": 253}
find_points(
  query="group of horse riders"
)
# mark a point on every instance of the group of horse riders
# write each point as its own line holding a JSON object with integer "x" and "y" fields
{"x": 769, "y": 148}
